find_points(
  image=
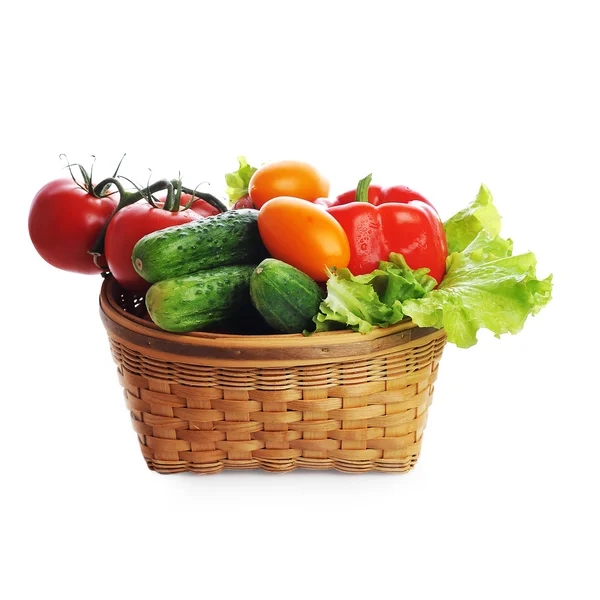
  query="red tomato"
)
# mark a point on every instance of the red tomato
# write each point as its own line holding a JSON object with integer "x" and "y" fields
{"x": 287, "y": 178}
{"x": 126, "y": 228}
{"x": 64, "y": 223}
{"x": 303, "y": 235}
{"x": 243, "y": 202}
{"x": 203, "y": 208}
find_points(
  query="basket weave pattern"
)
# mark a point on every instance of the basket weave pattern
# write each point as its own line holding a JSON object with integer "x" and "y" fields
{"x": 205, "y": 414}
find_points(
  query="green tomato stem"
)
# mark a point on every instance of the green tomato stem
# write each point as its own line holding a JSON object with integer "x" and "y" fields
{"x": 208, "y": 198}
{"x": 173, "y": 195}
{"x": 172, "y": 202}
{"x": 126, "y": 199}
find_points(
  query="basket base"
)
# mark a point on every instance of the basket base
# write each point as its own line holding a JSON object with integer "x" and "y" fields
{"x": 283, "y": 466}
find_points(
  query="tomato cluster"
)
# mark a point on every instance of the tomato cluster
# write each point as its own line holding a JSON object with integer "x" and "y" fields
{"x": 90, "y": 229}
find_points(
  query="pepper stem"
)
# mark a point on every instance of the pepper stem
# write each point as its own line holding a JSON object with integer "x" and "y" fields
{"x": 362, "y": 189}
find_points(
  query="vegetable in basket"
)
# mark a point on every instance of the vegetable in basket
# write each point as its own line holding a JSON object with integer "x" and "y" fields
{"x": 406, "y": 225}
{"x": 287, "y": 178}
{"x": 286, "y": 298}
{"x": 237, "y": 185}
{"x": 303, "y": 235}
{"x": 230, "y": 238}
{"x": 251, "y": 187}
{"x": 65, "y": 219}
{"x": 197, "y": 300}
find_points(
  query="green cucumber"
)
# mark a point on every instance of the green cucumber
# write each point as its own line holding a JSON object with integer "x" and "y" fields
{"x": 286, "y": 298}
{"x": 229, "y": 238}
{"x": 196, "y": 301}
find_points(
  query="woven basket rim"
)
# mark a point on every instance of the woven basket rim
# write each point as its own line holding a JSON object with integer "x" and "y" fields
{"x": 312, "y": 349}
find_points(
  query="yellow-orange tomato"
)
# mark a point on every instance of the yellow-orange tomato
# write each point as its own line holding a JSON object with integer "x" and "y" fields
{"x": 287, "y": 178}
{"x": 303, "y": 235}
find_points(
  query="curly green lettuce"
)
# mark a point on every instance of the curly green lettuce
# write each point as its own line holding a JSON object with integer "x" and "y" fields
{"x": 237, "y": 182}
{"x": 481, "y": 214}
{"x": 363, "y": 301}
{"x": 484, "y": 287}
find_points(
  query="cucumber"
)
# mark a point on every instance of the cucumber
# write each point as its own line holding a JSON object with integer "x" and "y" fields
{"x": 229, "y": 238}
{"x": 196, "y": 301}
{"x": 286, "y": 298}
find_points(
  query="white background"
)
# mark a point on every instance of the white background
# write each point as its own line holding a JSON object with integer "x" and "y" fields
{"x": 438, "y": 96}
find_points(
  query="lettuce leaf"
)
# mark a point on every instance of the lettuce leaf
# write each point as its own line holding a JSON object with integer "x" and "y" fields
{"x": 237, "y": 182}
{"x": 463, "y": 227}
{"x": 363, "y": 301}
{"x": 484, "y": 286}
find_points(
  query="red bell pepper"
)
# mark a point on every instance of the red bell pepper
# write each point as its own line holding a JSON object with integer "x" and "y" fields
{"x": 377, "y": 225}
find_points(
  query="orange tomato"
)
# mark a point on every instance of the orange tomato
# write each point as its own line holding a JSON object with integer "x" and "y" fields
{"x": 287, "y": 178}
{"x": 303, "y": 235}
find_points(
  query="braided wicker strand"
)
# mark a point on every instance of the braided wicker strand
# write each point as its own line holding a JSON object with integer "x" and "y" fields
{"x": 208, "y": 402}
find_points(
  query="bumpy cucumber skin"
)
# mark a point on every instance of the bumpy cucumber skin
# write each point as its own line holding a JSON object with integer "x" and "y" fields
{"x": 229, "y": 238}
{"x": 286, "y": 298}
{"x": 199, "y": 300}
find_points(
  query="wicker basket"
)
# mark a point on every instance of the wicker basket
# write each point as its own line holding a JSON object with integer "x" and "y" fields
{"x": 204, "y": 402}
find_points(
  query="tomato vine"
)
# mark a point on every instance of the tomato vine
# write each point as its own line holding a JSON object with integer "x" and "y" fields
{"x": 174, "y": 188}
